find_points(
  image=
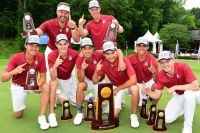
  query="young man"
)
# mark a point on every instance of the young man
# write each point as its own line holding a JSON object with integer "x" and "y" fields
{"x": 17, "y": 69}
{"x": 98, "y": 26}
{"x": 122, "y": 80}
{"x": 62, "y": 24}
{"x": 183, "y": 86}
{"x": 86, "y": 66}
{"x": 145, "y": 66}
{"x": 61, "y": 63}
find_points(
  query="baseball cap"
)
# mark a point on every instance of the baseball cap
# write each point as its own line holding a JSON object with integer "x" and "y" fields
{"x": 165, "y": 55}
{"x": 93, "y": 3}
{"x": 60, "y": 37}
{"x": 142, "y": 40}
{"x": 63, "y": 6}
{"x": 108, "y": 46}
{"x": 86, "y": 41}
{"x": 32, "y": 39}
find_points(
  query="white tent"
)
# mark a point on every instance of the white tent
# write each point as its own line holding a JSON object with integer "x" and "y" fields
{"x": 156, "y": 35}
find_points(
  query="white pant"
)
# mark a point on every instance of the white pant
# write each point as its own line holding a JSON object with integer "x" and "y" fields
{"x": 142, "y": 95}
{"x": 180, "y": 104}
{"x": 18, "y": 97}
{"x": 118, "y": 97}
{"x": 68, "y": 89}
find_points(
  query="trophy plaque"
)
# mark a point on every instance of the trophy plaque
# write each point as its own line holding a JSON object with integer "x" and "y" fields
{"x": 143, "y": 111}
{"x": 160, "y": 121}
{"x": 152, "y": 115}
{"x": 31, "y": 79}
{"x": 111, "y": 33}
{"x": 90, "y": 112}
{"x": 66, "y": 112}
{"x": 105, "y": 92}
{"x": 28, "y": 25}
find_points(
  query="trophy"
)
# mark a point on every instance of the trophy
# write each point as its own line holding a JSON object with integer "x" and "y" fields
{"x": 143, "y": 111}
{"x": 111, "y": 34}
{"x": 152, "y": 115}
{"x": 90, "y": 112}
{"x": 31, "y": 79}
{"x": 66, "y": 112}
{"x": 105, "y": 93}
{"x": 160, "y": 121}
{"x": 28, "y": 25}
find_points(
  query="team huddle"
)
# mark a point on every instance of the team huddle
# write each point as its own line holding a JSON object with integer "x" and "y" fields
{"x": 98, "y": 60}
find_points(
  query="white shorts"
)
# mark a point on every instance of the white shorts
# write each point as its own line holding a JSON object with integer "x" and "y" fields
{"x": 46, "y": 53}
{"x": 91, "y": 86}
{"x": 68, "y": 89}
{"x": 119, "y": 96}
{"x": 142, "y": 95}
{"x": 18, "y": 97}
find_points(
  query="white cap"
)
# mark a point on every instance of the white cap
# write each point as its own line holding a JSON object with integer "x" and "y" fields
{"x": 142, "y": 40}
{"x": 63, "y": 6}
{"x": 165, "y": 55}
{"x": 60, "y": 37}
{"x": 93, "y": 3}
{"x": 108, "y": 46}
{"x": 86, "y": 41}
{"x": 32, "y": 39}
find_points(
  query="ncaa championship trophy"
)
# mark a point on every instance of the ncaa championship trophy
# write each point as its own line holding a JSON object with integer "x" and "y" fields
{"x": 66, "y": 112}
{"x": 143, "y": 111}
{"x": 152, "y": 115}
{"x": 160, "y": 121}
{"x": 105, "y": 93}
{"x": 28, "y": 25}
{"x": 111, "y": 34}
{"x": 90, "y": 111}
{"x": 31, "y": 79}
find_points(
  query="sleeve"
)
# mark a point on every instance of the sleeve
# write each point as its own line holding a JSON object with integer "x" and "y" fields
{"x": 189, "y": 76}
{"x": 129, "y": 69}
{"x": 159, "y": 85}
{"x": 87, "y": 27}
{"x": 11, "y": 64}
{"x": 51, "y": 60}
{"x": 79, "y": 61}
{"x": 155, "y": 63}
{"x": 43, "y": 65}
{"x": 44, "y": 26}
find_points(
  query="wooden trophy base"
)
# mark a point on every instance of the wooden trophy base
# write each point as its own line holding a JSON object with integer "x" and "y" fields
{"x": 155, "y": 128}
{"x": 30, "y": 33}
{"x": 104, "y": 125}
{"x": 66, "y": 117}
{"x": 31, "y": 88}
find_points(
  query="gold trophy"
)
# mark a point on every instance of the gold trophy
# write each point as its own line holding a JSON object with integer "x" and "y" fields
{"x": 105, "y": 93}
{"x": 143, "y": 111}
{"x": 31, "y": 80}
{"x": 152, "y": 115}
{"x": 28, "y": 25}
{"x": 90, "y": 112}
{"x": 66, "y": 112}
{"x": 160, "y": 121}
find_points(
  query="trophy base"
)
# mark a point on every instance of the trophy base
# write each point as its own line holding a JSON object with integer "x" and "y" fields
{"x": 144, "y": 116}
{"x": 30, "y": 33}
{"x": 88, "y": 119}
{"x": 31, "y": 88}
{"x": 66, "y": 117}
{"x": 155, "y": 128}
{"x": 150, "y": 123}
{"x": 104, "y": 125}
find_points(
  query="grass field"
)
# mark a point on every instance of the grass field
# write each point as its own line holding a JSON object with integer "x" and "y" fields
{"x": 28, "y": 124}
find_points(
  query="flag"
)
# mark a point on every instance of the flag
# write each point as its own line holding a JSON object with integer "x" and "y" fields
{"x": 177, "y": 48}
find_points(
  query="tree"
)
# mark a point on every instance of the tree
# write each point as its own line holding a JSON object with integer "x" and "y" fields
{"x": 173, "y": 32}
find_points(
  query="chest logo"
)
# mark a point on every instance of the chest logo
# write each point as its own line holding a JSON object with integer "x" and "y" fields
{"x": 104, "y": 21}
{"x": 70, "y": 58}
{"x": 67, "y": 29}
{"x": 94, "y": 61}
{"x": 145, "y": 63}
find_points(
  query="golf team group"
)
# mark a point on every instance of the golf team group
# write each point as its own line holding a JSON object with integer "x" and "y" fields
{"x": 137, "y": 75}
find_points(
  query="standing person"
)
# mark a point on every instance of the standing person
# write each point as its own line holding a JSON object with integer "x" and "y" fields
{"x": 98, "y": 26}
{"x": 122, "y": 80}
{"x": 53, "y": 27}
{"x": 86, "y": 66}
{"x": 145, "y": 66}
{"x": 17, "y": 69}
{"x": 61, "y": 63}
{"x": 182, "y": 84}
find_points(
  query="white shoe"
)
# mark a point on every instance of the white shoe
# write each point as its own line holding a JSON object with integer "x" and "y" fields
{"x": 88, "y": 96}
{"x": 52, "y": 120}
{"x": 187, "y": 130}
{"x": 134, "y": 121}
{"x": 42, "y": 122}
{"x": 78, "y": 118}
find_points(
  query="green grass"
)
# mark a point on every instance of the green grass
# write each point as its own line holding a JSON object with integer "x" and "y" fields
{"x": 28, "y": 123}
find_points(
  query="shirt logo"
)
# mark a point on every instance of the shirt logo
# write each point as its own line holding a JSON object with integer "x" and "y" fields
{"x": 104, "y": 21}
{"x": 36, "y": 62}
{"x": 178, "y": 76}
{"x": 94, "y": 61}
{"x": 67, "y": 29}
{"x": 70, "y": 58}
{"x": 146, "y": 64}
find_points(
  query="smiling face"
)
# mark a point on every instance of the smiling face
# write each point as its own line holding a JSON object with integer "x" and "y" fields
{"x": 142, "y": 49}
{"x": 167, "y": 65}
{"x": 111, "y": 56}
{"x": 62, "y": 16}
{"x": 87, "y": 51}
{"x": 32, "y": 49}
{"x": 95, "y": 12}
{"x": 62, "y": 46}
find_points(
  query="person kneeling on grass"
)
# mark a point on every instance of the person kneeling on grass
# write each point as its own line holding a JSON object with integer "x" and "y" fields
{"x": 182, "y": 84}
{"x": 122, "y": 80}
{"x": 17, "y": 69}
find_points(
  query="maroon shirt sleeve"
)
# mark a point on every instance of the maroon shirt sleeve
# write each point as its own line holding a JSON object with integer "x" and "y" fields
{"x": 159, "y": 85}
{"x": 44, "y": 26}
{"x": 189, "y": 76}
{"x": 11, "y": 64}
{"x": 51, "y": 59}
{"x": 42, "y": 68}
{"x": 79, "y": 61}
{"x": 129, "y": 69}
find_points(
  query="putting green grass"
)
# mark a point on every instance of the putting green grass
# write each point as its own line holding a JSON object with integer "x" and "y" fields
{"x": 28, "y": 123}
